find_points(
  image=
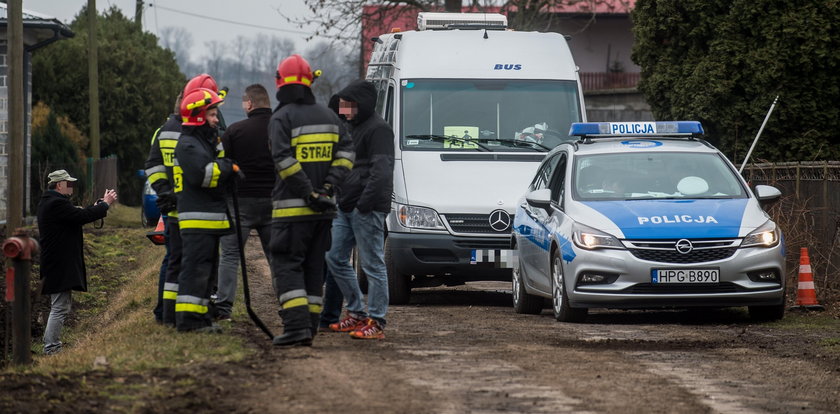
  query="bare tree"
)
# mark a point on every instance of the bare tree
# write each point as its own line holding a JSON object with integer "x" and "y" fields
{"x": 338, "y": 66}
{"x": 341, "y": 19}
{"x": 179, "y": 41}
{"x": 215, "y": 57}
{"x": 240, "y": 47}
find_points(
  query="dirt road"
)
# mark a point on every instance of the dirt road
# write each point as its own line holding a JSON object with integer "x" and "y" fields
{"x": 463, "y": 349}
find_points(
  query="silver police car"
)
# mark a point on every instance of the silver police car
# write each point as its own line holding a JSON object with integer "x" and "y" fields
{"x": 645, "y": 215}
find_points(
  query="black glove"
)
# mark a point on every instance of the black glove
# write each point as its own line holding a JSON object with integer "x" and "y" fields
{"x": 227, "y": 165}
{"x": 166, "y": 202}
{"x": 320, "y": 202}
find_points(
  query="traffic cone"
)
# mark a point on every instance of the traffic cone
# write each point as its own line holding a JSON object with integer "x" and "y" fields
{"x": 156, "y": 236}
{"x": 806, "y": 295}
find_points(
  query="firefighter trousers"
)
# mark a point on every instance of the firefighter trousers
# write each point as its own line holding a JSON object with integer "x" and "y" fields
{"x": 193, "y": 309}
{"x": 173, "y": 269}
{"x": 297, "y": 262}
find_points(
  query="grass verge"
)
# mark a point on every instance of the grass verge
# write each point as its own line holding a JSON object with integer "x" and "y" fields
{"x": 113, "y": 329}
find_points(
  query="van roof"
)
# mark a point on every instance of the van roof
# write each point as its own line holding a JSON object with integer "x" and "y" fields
{"x": 466, "y": 54}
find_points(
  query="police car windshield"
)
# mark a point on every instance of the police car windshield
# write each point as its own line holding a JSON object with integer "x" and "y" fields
{"x": 654, "y": 175}
{"x": 495, "y": 113}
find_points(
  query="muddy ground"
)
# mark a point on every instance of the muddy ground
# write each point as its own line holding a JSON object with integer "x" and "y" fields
{"x": 463, "y": 349}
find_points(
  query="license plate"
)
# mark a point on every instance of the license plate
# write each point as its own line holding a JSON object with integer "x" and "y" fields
{"x": 665, "y": 276}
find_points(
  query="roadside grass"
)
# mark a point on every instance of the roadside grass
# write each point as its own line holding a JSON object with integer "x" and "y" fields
{"x": 114, "y": 329}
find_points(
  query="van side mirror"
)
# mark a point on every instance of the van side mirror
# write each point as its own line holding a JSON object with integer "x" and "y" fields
{"x": 767, "y": 194}
{"x": 539, "y": 198}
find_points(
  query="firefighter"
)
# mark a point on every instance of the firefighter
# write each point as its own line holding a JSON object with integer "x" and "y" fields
{"x": 159, "y": 173}
{"x": 159, "y": 169}
{"x": 312, "y": 153}
{"x": 199, "y": 177}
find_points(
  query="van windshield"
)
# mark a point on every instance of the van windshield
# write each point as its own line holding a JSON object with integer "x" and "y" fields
{"x": 659, "y": 175}
{"x": 499, "y": 115}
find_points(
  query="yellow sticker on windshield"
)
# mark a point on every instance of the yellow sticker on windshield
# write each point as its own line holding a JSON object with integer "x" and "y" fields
{"x": 461, "y": 136}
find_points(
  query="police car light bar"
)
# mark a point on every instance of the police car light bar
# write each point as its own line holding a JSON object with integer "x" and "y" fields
{"x": 636, "y": 129}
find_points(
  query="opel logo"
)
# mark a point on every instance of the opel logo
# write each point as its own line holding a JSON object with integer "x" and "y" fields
{"x": 684, "y": 246}
{"x": 499, "y": 220}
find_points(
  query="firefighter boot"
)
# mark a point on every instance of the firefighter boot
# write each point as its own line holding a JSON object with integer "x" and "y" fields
{"x": 297, "y": 327}
{"x": 294, "y": 337}
{"x": 316, "y": 321}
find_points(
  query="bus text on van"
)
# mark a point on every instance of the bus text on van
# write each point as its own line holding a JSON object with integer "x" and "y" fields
{"x": 505, "y": 66}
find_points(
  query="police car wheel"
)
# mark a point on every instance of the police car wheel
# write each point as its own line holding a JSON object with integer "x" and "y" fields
{"x": 767, "y": 313}
{"x": 559, "y": 299}
{"x": 522, "y": 301}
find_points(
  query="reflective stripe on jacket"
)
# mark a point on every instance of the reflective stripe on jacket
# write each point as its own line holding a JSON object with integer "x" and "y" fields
{"x": 161, "y": 160}
{"x": 199, "y": 185}
{"x": 310, "y": 147}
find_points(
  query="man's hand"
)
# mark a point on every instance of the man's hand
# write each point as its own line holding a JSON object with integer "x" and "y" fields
{"x": 110, "y": 197}
{"x": 166, "y": 202}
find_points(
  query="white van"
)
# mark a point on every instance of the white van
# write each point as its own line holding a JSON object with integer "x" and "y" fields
{"x": 475, "y": 108}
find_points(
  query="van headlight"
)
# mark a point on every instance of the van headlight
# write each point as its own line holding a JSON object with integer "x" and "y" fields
{"x": 419, "y": 217}
{"x": 767, "y": 235}
{"x": 589, "y": 238}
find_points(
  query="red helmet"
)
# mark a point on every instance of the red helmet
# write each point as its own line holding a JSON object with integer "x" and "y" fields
{"x": 204, "y": 81}
{"x": 294, "y": 70}
{"x": 195, "y": 104}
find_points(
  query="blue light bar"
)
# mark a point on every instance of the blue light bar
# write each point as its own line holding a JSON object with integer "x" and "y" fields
{"x": 623, "y": 129}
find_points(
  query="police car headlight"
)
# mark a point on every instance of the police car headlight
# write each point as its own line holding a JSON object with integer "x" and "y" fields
{"x": 419, "y": 217}
{"x": 765, "y": 236}
{"x": 589, "y": 238}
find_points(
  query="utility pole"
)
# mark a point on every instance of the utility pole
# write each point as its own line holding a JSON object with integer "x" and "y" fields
{"x": 138, "y": 13}
{"x": 93, "y": 80}
{"x": 19, "y": 291}
{"x": 14, "y": 203}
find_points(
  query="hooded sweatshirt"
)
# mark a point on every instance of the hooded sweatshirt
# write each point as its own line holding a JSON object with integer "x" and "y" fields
{"x": 371, "y": 182}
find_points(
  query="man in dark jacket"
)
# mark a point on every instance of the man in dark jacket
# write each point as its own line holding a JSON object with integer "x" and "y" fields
{"x": 312, "y": 153}
{"x": 364, "y": 201}
{"x": 246, "y": 143}
{"x": 62, "y": 249}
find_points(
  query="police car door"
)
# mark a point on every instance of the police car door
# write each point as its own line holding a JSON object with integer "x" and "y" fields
{"x": 535, "y": 245}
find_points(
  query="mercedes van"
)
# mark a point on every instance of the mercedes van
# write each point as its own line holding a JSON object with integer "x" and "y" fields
{"x": 475, "y": 108}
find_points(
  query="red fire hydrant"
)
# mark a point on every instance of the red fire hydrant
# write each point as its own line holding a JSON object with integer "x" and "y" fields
{"x": 20, "y": 248}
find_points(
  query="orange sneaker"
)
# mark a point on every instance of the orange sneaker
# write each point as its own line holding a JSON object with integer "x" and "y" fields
{"x": 349, "y": 323}
{"x": 370, "y": 330}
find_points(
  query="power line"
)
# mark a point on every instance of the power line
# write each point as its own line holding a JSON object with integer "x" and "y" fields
{"x": 200, "y": 16}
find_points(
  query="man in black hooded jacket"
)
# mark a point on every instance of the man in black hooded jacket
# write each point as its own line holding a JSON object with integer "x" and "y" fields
{"x": 364, "y": 201}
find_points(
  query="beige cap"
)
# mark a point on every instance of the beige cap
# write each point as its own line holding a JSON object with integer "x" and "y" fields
{"x": 60, "y": 175}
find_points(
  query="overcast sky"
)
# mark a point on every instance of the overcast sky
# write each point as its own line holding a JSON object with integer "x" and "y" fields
{"x": 255, "y": 16}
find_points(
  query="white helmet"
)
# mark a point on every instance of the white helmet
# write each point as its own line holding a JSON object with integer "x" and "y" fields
{"x": 533, "y": 133}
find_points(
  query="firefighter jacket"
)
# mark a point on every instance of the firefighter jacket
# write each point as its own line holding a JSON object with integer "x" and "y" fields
{"x": 162, "y": 157}
{"x": 200, "y": 177}
{"x": 310, "y": 147}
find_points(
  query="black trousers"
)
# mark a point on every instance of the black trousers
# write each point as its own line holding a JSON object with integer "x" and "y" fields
{"x": 297, "y": 263}
{"x": 195, "y": 281}
{"x": 173, "y": 269}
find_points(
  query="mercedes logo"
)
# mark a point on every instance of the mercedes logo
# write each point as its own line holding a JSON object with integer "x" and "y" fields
{"x": 683, "y": 246}
{"x": 499, "y": 220}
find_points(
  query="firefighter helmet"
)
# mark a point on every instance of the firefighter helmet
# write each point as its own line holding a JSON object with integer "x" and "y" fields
{"x": 195, "y": 104}
{"x": 204, "y": 81}
{"x": 293, "y": 70}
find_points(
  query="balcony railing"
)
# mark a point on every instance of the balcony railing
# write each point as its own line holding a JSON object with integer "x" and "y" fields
{"x": 596, "y": 81}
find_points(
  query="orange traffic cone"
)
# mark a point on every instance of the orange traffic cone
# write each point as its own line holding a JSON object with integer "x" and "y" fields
{"x": 156, "y": 236}
{"x": 806, "y": 295}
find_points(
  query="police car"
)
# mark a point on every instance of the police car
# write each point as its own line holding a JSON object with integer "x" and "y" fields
{"x": 645, "y": 215}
